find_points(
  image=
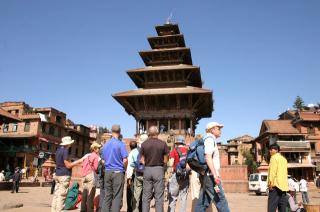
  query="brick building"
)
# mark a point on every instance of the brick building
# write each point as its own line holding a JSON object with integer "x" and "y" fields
{"x": 37, "y": 131}
{"x": 236, "y": 147}
{"x": 298, "y": 135}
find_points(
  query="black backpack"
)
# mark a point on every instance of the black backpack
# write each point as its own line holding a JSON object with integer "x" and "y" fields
{"x": 181, "y": 169}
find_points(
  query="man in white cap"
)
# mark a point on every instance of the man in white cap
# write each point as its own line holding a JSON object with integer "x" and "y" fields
{"x": 211, "y": 188}
{"x": 63, "y": 174}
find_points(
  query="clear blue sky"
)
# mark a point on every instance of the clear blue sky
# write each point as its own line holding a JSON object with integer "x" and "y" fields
{"x": 256, "y": 56}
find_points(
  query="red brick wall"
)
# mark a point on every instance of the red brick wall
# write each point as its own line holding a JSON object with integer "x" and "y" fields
{"x": 223, "y": 157}
{"x": 234, "y": 178}
{"x": 234, "y": 172}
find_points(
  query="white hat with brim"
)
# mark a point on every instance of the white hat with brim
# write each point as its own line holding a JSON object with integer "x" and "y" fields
{"x": 213, "y": 124}
{"x": 66, "y": 141}
{"x": 142, "y": 138}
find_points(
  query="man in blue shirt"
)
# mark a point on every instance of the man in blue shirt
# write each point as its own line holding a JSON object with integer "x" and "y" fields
{"x": 115, "y": 155}
{"x": 63, "y": 174}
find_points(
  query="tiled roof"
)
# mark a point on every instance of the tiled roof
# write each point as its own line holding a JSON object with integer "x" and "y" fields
{"x": 309, "y": 115}
{"x": 244, "y": 138}
{"x": 280, "y": 126}
{"x": 167, "y": 67}
{"x": 7, "y": 115}
{"x": 161, "y": 91}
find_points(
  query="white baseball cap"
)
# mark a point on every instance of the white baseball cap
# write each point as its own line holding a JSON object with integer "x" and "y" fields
{"x": 213, "y": 124}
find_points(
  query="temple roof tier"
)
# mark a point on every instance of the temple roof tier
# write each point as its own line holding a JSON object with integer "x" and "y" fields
{"x": 168, "y": 41}
{"x": 163, "y": 91}
{"x": 171, "y": 100}
{"x": 166, "y": 76}
{"x": 167, "y": 29}
{"x": 174, "y": 56}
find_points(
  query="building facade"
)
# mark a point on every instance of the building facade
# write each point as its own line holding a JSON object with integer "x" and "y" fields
{"x": 237, "y": 147}
{"x": 36, "y": 137}
{"x": 298, "y": 135}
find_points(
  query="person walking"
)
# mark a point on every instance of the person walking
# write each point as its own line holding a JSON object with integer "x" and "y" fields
{"x": 293, "y": 184}
{"x": 318, "y": 181}
{"x": 211, "y": 186}
{"x": 304, "y": 190}
{"x": 178, "y": 185}
{"x": 115, "y": 155}
{"x": 16, "y": 178}
{"x": 277, "y": 180}
{"x": 63, "y": 174}
{"x": 2, "y": 176}
{"x": 154, "y": 155}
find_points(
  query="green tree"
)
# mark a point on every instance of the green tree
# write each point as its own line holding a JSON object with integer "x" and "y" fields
{"x": 298, "y": 103}
{"x": 250, "y": 162}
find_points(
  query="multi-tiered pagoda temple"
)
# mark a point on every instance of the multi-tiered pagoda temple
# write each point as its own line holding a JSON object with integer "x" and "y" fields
{"x": 170, "y": 93}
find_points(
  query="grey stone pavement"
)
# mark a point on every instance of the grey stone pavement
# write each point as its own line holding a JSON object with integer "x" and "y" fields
{"x": 38, "y": 199}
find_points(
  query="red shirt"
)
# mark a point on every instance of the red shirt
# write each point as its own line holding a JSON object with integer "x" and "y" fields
{"x": 174, "y": 154}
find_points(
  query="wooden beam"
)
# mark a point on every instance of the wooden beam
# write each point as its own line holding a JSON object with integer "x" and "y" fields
{"x": 136, "y": 103}
{"x": 154, "y": 76}
{"x": 189, "y": 75}
{"x": 139, "y": 78}
{"x": 190, "y": 100}
{"x": 157, "y": 102}
{"x": 178, "y": 101}
{"x": 125, "y": 101}
{"x": 144, "y": 102}
{"x": 198, "y": 102}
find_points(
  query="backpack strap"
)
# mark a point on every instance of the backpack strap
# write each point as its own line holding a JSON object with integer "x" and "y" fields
{"x": 179, "y": 152}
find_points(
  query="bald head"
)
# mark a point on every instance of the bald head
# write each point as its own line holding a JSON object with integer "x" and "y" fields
{"x": 153, "y": 131}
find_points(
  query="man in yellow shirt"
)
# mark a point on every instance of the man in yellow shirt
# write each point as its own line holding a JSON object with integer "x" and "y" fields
{"x": 277, "y": 180}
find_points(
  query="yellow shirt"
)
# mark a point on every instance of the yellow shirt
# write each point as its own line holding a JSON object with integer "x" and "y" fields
{"x": 278, "y": 172}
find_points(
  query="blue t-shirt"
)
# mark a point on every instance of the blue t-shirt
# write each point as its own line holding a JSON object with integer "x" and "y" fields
{"x": 113, "y": 153}
{"x": 62, "y": 154}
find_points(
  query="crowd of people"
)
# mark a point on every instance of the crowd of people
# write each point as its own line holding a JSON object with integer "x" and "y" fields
{"x": 110, "y": 167}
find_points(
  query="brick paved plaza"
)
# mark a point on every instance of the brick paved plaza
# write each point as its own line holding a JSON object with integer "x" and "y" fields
{"x": 38, "y": 199}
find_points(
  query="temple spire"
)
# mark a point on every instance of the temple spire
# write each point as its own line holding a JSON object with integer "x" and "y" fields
{"x": 168, "y": 21}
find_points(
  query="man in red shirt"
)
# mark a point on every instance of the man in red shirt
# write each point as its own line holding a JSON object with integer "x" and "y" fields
{"x": 178, "y": 183}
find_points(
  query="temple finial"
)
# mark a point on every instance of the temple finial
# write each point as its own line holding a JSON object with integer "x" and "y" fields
{"x": 169, "y": 18}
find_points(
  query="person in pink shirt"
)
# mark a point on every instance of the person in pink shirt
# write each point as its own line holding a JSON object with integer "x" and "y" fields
{"x": 89, "y": 167}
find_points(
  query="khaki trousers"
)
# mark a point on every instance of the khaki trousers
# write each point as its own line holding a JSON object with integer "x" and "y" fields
{"x": 60, "y": 193}
{"x": 195, "y": 190}
{"x": 89, "y": 190}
